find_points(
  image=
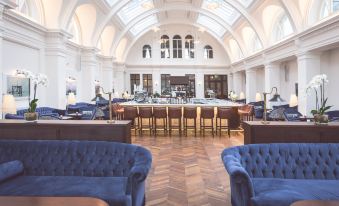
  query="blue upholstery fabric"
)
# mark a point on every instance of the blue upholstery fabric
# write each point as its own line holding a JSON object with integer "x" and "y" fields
{"x": 88, "y": 111}
{"x": 333, "y": 116}
{"x": 258, "y": 109}
{"x": 292, "y": 114}
{"x": 110, "y": 189}
{"x": 282, "y": 192}
{"x": 10, "y": 169}
{"x": 42, "y": 111}
{"x": 82, "y": 159}
{"x": 280, "y": 161}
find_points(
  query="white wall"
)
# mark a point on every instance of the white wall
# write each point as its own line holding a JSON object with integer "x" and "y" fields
{"x": 288, "y": 79}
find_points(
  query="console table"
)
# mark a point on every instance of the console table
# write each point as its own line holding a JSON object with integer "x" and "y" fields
{"x": 120, "y": 131}
{"x": 50, "y": 201}
{"x": 290, "y": 132}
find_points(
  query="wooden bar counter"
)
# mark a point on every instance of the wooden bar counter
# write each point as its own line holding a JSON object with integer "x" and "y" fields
{"x": 290, "y": 132}
{"x": 119, "y": 131}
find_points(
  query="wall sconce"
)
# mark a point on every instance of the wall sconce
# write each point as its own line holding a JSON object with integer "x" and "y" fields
{"x": 199, "y": 83}
{"x": 156, "y": 83}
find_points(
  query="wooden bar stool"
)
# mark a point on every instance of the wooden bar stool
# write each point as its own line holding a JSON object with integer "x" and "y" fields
{"x": 145, "y": 113}
{"x": 119, "y": 111}
{"x": 206, "y": 113}
{"x": 174, "y": 113}
{"x": 223, "y": 114}
{"x": 190, "y": 113}
{"x": 131, "y": 113}
{"x": 160, "y": 113}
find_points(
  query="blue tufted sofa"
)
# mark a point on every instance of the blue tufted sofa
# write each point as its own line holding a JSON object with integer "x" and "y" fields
{"x": 42, "y": 111}
{"x": 280, "y": 174}
{"x": 113, "y": 172}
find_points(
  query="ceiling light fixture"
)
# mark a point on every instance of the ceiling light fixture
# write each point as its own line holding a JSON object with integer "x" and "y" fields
{"x": 213, "y": 5}
{"x": 156, "y": 29}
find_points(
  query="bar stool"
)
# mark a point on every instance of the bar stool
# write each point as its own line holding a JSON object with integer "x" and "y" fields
{"x": 190, "y": 113}
{"x": 223, "y": 114}
{"x": 118, "y": 110}
{"x": 131, "y": 113}
{"x": 160, "y": 113}
{"x": 174, "y": 113}
{"x": 145, "y": 113}
{"x": 206, "y": 113}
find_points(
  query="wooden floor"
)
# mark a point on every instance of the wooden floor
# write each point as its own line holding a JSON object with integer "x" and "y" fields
{"x": 188, "y": 170}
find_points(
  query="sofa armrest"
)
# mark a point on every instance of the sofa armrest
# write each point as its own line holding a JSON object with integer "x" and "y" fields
{"x": 241, "y": 183}
{"x": 138, "y": 173}
{"x": 13, "y": 116}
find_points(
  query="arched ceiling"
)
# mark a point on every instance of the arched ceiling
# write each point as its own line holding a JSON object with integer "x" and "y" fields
{"x": 226, "y": 20}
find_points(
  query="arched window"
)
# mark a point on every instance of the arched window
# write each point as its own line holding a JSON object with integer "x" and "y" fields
{"x": 147, "y": 52}
{"x": 177, "y": 47}
{"x": 165, "y": 47}
{"x": 328, "y": 7}
{"x": 22, "y": 7}
{"x": 189, "y": 47}
{"x": 208, "y": 52}
{"x": 283, "y": 28}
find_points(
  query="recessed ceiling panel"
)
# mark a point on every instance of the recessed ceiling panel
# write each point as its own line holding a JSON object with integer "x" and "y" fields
{"x": 211, "y": 25}
{"x": 222, "y": 9}
{"x": 143, "y": 24}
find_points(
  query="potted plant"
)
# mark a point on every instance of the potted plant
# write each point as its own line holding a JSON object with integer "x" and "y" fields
{"x": 317, "y": 84}
{"x": 38, "y": 79}
{"x": 233, "y": 96}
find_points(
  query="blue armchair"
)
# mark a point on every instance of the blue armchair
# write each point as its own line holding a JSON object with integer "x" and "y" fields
{"x": 333, "y": 116}
{"x": 292, "y": 115}
{"x": 113, "y": 172}
{"x": 280, "y": 174}
{"x": 258, "y": 109}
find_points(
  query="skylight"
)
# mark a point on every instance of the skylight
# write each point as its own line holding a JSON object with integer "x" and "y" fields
{"x": 222, "y": 9}
{"x": 111, "y": 2}
{"x": 143, "y": 24}
{"x": 133, "y": 9}
{"x": 246, "y": 3}
{"x": 212, "y": 25}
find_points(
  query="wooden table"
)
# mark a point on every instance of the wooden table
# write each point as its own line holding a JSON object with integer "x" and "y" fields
{"x": 92, "y": 130}
{"x": 316, "y": 203}
{"x": 290, "y": 132}
{"x": 51, "y": 201}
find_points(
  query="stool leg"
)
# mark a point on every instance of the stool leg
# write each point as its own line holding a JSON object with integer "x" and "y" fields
{"x": 195, "y": 127}
{"x": 212, "y": 127}
{"x": 155, "y": 127}
{"x": 170, "y": 126}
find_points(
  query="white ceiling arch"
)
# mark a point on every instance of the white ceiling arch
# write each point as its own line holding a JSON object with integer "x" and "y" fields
{"x": 169, "y": 22}
{"x": 234, "y": 3}
{"x": 293, "y": 14}
{"x": 185, "y": 7}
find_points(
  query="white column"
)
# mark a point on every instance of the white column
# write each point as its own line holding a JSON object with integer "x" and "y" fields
{"x": 272, "y": 79}
{"x": 238, "y": 81}
{"x": 199, "y": 84}
{"x": 156, "y": 76}
{"x": 55, "y": 64}
{"x": 308, "y": 66}
{"x": 230, "y": 82}
{"x": 251, "y": 85}
{"x": 2, "y": 9}
{"x": 89, "y": 69}
{"x": 119, "y": 79}
{"x": 107, "y": 75}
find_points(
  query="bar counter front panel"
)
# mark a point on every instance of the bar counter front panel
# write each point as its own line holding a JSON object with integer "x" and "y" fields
{"x": 290, "y": 132}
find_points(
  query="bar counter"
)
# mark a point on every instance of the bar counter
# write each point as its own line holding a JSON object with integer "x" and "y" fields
{"x": 205, "y": 103}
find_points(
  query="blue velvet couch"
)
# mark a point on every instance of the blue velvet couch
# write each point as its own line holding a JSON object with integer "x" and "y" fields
{"x": 333, "y": 116}
{"x": 113, "y": 172}
{"x": 42, "y": 111}
{"x": 280, "y": 174}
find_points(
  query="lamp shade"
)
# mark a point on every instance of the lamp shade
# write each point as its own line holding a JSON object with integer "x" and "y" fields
{"x": 242, "y": 95}
{"x": 293, "y": 100}
{"x": 71, "y": 100}
{"x": 8, "y": 104}
{"x": 258, "y": 97}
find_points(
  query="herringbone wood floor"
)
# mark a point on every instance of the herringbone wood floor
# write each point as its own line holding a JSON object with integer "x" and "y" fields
{"x": 188, "y": 170}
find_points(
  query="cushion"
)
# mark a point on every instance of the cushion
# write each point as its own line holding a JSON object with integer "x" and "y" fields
{"x": 10, "y": 169}
{"x": 283, "y": 192}
{"x": 110, "y": 189}
{"x": 277, "y": 114}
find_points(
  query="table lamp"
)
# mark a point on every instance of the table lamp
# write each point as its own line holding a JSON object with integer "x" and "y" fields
{"x": 258, "y": 97}
{"x": 71, "y": 100}
{"x": 8, "y": 104}
{"x": 242, "y": 95}
{"x": 293, "y": 100}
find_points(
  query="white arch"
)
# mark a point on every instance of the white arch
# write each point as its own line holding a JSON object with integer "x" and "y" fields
{"x": 185, "y": 22}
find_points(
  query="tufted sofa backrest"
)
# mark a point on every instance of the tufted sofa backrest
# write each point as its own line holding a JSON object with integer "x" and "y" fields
{"x": 291, "y": 161}
{"x": 71, "y": 158}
